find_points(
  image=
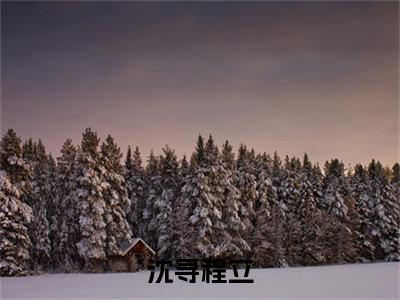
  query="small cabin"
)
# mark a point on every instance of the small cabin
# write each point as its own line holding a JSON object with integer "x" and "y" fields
{"x": 134, "y": 256}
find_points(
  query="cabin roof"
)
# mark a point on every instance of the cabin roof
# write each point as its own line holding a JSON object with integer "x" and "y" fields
{"x": 126, "y": 246}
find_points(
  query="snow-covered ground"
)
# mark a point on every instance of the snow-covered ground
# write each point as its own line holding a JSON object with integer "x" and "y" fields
{"x": 367, "y": 281}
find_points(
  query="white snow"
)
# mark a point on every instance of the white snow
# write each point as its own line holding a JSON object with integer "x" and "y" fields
{"x": 362, "y": 281}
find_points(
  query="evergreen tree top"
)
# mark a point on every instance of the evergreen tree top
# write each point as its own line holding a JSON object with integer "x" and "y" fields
{"x": 28, "y": 151}
{"x": 306, "y": 162}
{"x": 111, "y": 155}
{"x": 227, "y": 156}
{"x": 10, "y": 146}
{"x": 242, "y": 155}
{"x": 152, "y": 164}
{"x": 334, "y": 168}
{"x": 360, "y": 172}
{"x": 128, "y": 159}
{"x": 11, "y": 157}
{"x": 199, "y": 156}
{"x": 396, "y": 173}
{"x": 68, "y": 150}
{"x": 376, "y": 171}
{"x": 184, "y": 165}
{"x": 40, "y": 152}
{"x": 211, "y": 151}
{"x": 169, "y": 166}
{"x": 90, "y": 143}
{"x": 137, "y": 159}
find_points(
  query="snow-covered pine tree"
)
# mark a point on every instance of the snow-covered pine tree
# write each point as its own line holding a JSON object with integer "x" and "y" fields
{"x": 260, "y": 244}
{"x": 267, "y": 193}
{"x": 235, "y": 245}
{"x": 115, "y": 196}
{"x": 393, "y": 210}
{"x": 289, "y": 188}
{"x": 226, "y": 238}
{"x": 360, "y": 190}
{"x": 28, "y": 151}
{"x": 91, "y": 205}
{"x": 29, "y": 158}
{"x": 165, "y": 203}
{"x": 15, "y": 215}
{"x": 395, "y": 181}
{"x": 336, "y": 193}
{"x": 181, "y": 214}
{"x": 309, "y": 215}
{"x": 385, "y": 210}
{"x": 17, "y": 170}
{"x": 67, "y": 252}
{"x": 289, "y": 194}
{"x": 310, "y": 186}
{"x": 54, "y": 214}
{"x": 277, "y": 174}
{"x": 154, "y": 190}
{"x": 41, "y": 194}
{"x": 135, "y": 181}
{"x": 318, "y": 185}
{"x": 198, "y": 199}
{"x": 380, "y": 223}
{"x": 335, "y": 189}
{"x": 247, "y": 185}
{"x": 271, "y": 252}
{"x": 220, "y": 239}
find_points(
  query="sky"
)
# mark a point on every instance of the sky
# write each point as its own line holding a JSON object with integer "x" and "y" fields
{"x": 295, "y": 77}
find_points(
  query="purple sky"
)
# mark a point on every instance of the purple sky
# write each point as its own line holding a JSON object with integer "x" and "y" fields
{"x": 315, "y": 77}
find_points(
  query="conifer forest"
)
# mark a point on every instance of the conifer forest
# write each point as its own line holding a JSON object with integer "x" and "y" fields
{"x": 59, "y": 214}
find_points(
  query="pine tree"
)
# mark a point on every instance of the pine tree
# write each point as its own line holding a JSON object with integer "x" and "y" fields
{"x": 135, "y": 180}
{"x": 289, "y": 188}
{"x": 29, "y": 158}
{"x": 41, "y": 196}
{"x": 393, "y": 211}
{"x": 90, "y": 190}
{"x": 28, "y": 151}
{"x": 234, "y": 244}
{"x": 115, "y": 196}
{"x": 11, "y": 160}
{"x": 260, "y": 242}
{"x": 309, "y": 215}
{"x": 385, "y": 214}
{"x": 395, "y": 181}
{"x": 247, "y": 185}
{"x": 181, "y": 214}
{"x": 271, "y": 251}
{"x": 335, "y": 189}
{"x": 15, "y": 215}
{"x": 165, "y": 203}
{"x": 198, "y": 198}
{"x": 54, "y": 214}
{"x": 289, "y": 194}
{"x": 226, "y": 240}
{"x": 67, "y": 252}
{"x": 336, "y": 200}
{"x": 361, "y": 192}
{"x": 277, "y": 175}
{"x": 154, "y": 190}
{"x": 220, "y": 240}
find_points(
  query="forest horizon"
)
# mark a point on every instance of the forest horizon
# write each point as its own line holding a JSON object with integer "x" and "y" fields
{"x": 348, "y": 166}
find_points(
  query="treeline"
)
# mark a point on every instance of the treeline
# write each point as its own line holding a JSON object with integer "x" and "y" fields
{"x": 64, "y": 214}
